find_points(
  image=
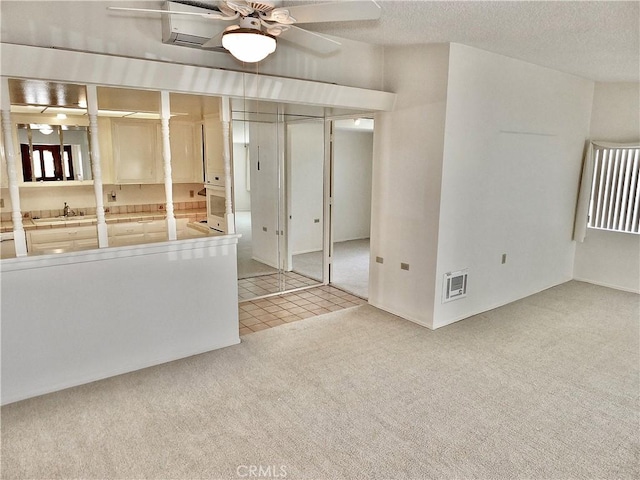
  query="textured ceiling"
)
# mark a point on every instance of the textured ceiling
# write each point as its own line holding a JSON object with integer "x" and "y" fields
{"x": 597, "y": 40}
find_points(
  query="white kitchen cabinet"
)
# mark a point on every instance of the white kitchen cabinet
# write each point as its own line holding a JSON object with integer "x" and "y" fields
{"x": 134, "y": 151}
{"x": 136, "y": 233}
{"x": 138, "y": 157}
{"x": 186, "y": 152}
{"x": 59, "y": 240}
{"x": 213, "y": 150}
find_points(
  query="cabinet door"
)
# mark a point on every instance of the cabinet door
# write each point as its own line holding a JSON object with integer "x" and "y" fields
{"x": 123, "y": 240}
{"x": 186, "y": 157}
{"x": 134, "y": 151}
{"x": 213, "y": 150}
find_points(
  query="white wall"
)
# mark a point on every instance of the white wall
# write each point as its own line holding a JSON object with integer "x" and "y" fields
{"x": 615, "y": 117}
{"x": 353, "y": 160}
{"x": 610, "y": 258}
{"x": 117, "y": 310}
{"x": 407, "y": 153}
{"x": 305, "y": 166}
{"x": 514, "y": 139}
{"x": 89, "y": 26}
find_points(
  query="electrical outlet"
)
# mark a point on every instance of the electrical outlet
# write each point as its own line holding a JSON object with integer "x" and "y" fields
{"x": 264, "y": 229}
{"x": 404, "y": 266}
{"x": 191, "y": 193}
{"x": 379, "y": 260}
{"x": 504, "y": 258}
{"x": 316, "y": 220}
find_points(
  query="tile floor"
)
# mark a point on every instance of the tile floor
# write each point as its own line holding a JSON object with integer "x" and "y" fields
{"x": 253, "y": 287}
{"x": 270, "y": 312}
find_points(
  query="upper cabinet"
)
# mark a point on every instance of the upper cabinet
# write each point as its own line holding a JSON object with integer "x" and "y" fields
{"x": 186, "y": 151}
{"x": 138, "y": 156}
{"x": 134, "y": 151}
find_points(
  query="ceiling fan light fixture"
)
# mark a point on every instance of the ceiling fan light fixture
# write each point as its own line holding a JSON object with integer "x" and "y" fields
{"x": 249, "y": 45}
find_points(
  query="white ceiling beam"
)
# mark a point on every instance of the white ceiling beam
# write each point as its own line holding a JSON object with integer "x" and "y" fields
{"x": 22, "y": 61}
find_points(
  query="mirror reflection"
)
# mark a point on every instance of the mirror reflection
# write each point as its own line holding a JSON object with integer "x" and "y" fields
{"x": 52, "y": 153}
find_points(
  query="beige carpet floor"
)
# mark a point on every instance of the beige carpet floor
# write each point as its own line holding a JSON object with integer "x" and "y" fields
{"x": 546, "y": 387}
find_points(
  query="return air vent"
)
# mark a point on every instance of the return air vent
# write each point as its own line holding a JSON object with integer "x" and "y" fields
{"x": 454, "y": 286}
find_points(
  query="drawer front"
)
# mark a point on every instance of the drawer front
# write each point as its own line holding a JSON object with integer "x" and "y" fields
{"x": 84, "y": 233}
{"x": 63, "y": 234}
{"x": 129, "y": 228}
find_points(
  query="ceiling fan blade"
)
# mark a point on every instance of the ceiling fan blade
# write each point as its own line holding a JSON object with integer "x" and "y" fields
{"x": 211, "y": 16}
{"x": 310, "y": 40}
{"x": 240, "y": 6}
{"x": 330, "y": 12}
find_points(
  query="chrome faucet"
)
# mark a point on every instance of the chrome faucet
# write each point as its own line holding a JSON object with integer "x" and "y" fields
{"x": 66, "y": 210}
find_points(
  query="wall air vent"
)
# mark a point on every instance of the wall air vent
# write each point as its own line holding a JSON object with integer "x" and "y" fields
{"x": 455, "y": 285}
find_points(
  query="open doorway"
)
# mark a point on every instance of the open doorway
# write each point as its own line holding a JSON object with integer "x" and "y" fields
{"x": 352, "y": 159}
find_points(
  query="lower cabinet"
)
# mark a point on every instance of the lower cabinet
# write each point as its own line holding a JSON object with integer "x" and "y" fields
{"x": 135, "y": 233}
{"x": 60, "y": 240}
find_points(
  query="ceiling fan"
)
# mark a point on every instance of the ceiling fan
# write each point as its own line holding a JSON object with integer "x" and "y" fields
{"x": 260, "y": 22}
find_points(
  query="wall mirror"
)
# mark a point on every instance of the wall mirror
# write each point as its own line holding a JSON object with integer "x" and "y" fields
{"x": 51, "y": 153}
{"x": 51, "y": 130}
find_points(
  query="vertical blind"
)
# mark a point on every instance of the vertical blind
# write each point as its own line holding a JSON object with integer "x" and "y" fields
{"x": 615, "y": 189}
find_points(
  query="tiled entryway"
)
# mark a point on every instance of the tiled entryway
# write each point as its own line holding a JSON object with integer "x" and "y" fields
{"x": 270, "y": 312}
{"x": 267, "y": 284}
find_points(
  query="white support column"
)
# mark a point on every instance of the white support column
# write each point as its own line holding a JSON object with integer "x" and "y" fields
{"x": 225, "y": 118}
{"x": 96, "y": 165}
{"x": 19, "y": 238}
{"x": 165, "y": 114}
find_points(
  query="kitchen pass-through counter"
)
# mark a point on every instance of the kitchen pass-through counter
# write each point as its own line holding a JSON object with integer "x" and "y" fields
{"x": 61, "y": 234}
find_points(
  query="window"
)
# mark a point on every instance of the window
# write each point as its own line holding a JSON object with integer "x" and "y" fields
{"x": 615, "y": 189}
{"x": 47, "y": 163}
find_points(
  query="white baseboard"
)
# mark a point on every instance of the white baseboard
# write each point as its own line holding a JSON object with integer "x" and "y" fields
{"x": 608, "y": 285}
{"x": 302, "y": 252}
